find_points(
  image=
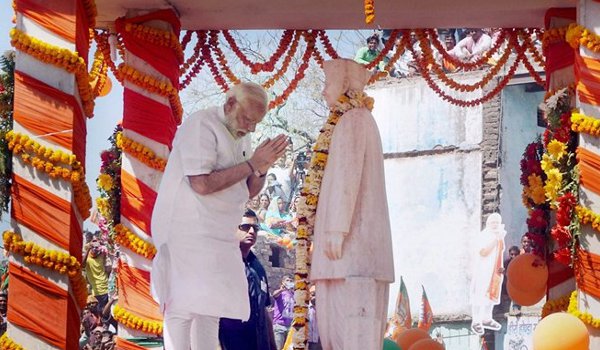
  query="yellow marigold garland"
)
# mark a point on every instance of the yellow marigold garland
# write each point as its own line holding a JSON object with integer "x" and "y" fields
{"x": 556, "y": 305}
{"x": 587, "y": 216}
{"x": 59, "y": 57}
{"x": 55, "y": 260}
{"x": 157, "y": 37}
{"x": 47, "y": 160}
{"x": 578, "y": 35}
{"x": 98, "y": 73}
{"x": 142, "y": 153}
{"x": 307, "y": 209}
{"x": 132, "y": 321}
{"x": 153, "y": 85}
{"x": 586, "y": 124}
{"x": 586, "y": 317}
{"x": 125, "y": 237}
{"x": 8, "y": 344}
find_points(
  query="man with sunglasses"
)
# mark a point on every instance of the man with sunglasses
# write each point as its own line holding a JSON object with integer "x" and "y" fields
{"x": 257, "y": 332}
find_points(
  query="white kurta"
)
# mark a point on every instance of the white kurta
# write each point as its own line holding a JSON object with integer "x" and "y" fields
{"x": 199, "y": 267}
{"x": 353, "y": 200}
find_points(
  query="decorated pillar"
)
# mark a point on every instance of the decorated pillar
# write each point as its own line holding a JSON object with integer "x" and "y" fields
{"x": 584, "y": 37}
{"x": 50, "y": 199}
{"x": 152, "y": 111}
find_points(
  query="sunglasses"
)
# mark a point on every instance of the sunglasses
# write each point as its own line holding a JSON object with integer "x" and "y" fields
{"x": 247, "y": 227}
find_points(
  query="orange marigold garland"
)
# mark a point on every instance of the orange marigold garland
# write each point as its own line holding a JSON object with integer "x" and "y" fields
{"x": 8, "y": 344}
{"x": 125, "y": 237}
{"x": 389, "y": 44}
{"x": 309, "y": 37}
{"x": 329, "y": 49}
{"x": 557, "y": 305}
{"x": 213, "y": 42}
{"x": 269, "y": 65}
{"x": 552, "y": 36}
{"x": 206, "y": 55}
{"x": 142, "y": 153}
{"x": 193, "y": 65}
{"x": 54, "y": 260}
{"x": 132, "y": 321}
{"x": 369, "y": 11}
{"x": 153, "y": 85}
{"x": 156, "y": 36}
{"x": 286, "y": 61}
{"x": 400, "y": 49}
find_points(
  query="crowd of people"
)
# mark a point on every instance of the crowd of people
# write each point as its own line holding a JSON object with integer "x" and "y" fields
{"x": 464, "y": 44}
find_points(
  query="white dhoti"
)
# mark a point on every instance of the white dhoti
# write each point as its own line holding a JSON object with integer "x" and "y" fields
{"x": 354, "y": 318}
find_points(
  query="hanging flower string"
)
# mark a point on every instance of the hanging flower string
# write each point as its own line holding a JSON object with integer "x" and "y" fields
{"x": 329, "y": 49}
{"x": 193, "y": 65}
{"x": 369, "y": 11}
{"x": 269, "y": 65}
{"x": 400, "y": 49}
{"x": 53, "y": 260}
{"x": 389, "y": 44}
{"x": 286, "y": 61}
{"x": 307, "y": 209}
{"x": 213, "y": 42}
{"x": 58, "y": 57}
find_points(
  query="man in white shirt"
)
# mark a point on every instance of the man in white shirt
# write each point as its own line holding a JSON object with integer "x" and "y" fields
{"x": 473, "y": 46}
{"x": 198, "y": 274}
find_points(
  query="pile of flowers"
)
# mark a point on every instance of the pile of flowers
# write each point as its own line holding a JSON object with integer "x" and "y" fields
{"x": 559, "y": 165}
{"x": 109, "y": 186}
{"x": 534, "y": 198}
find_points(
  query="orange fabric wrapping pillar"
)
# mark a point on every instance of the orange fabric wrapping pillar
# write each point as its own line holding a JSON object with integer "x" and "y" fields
{"x": 47, "y": 110}
{"x": 150, "y": 122}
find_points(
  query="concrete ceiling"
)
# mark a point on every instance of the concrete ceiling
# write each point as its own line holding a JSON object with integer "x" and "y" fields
{"x": 339, "y": 14}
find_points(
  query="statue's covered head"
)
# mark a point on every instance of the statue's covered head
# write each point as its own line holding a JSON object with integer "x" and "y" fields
{"x": 342, "y": 75}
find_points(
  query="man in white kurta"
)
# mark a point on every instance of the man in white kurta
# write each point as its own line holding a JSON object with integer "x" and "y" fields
{"x": 198, "y": 273}
{"x": 352, "y": 259}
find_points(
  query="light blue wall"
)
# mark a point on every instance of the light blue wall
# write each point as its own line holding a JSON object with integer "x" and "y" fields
{"x": 519, "y": 128}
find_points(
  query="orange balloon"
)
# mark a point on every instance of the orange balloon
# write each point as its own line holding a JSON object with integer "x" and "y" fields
{"x": 426, "y": 344}
{"x": 106, "y": 88}
{"x": 561, "y": 331}
{"x": 527, "y": 297}
{"x": 410, "y": 336}
{"x": 527, "y": 271}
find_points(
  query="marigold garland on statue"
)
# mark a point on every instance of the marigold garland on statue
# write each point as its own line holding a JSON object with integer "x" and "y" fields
{"x": 307, "y": 209}
{"x": 58, "y": 57}
{"x": 55, "y": 260}
{"x": 556, "y": 305}
{"x": 586, "y": 317}
{"x": 140, "y": 152}
{"x": 132, "y": 321}
{"x": 125, "y": 237}
{"x": 8, "y": 344}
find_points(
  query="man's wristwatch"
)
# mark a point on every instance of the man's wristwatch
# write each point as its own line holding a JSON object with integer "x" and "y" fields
{"x": 254, "y": 171}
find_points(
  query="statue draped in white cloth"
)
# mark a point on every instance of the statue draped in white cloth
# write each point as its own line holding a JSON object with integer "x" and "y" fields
{"x": 487, "y": 265}
{"x": 352, "y": 261}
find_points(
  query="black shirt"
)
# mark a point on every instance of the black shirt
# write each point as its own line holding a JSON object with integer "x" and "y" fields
{"x": 250, "y": 335}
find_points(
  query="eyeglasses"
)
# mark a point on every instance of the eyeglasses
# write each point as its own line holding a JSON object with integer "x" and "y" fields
{"x": 247, "y": 227}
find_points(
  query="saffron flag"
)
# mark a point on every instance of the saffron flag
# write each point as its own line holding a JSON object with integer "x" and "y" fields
{"x": 401, "y": 319}
{"x": 425, "y": 313}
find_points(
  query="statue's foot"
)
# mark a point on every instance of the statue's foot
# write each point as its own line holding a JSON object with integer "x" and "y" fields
{"x": 492, "y": 325}
{"x": 477, "y": 328}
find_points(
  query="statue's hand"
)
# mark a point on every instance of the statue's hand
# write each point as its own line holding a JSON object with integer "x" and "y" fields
{"x": 333, "y": 244}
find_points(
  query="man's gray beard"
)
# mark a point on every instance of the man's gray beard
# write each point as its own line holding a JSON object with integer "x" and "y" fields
{"x": 231, "y": 129}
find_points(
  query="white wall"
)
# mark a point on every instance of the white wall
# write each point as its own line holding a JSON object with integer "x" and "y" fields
{"x": 435, "y": 199}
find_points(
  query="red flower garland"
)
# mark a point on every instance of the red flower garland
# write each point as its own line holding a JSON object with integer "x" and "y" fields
{"x": 267, "y": 66}
{"x": 327, "y": 45}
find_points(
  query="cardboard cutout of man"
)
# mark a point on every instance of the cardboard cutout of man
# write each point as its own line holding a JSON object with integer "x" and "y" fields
{"x": 352, "y": 262}
{"x": 486, "y": 285}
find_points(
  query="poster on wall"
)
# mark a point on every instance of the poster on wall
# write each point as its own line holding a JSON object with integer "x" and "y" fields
{"x": 519, "y": 332}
